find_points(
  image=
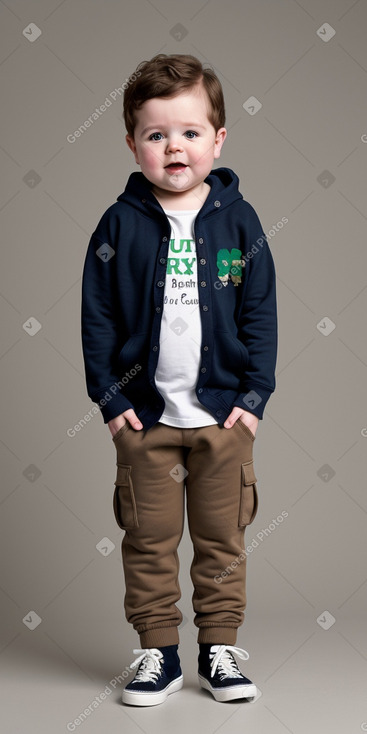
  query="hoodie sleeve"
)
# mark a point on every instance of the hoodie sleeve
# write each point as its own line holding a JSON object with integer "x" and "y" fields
{"x": 102, "y": 335}
{"x": 257, "y": 322}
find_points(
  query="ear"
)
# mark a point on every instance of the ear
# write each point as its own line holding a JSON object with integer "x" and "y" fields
{"x": 131, "y": 143}
{"x": 220, "y": 137}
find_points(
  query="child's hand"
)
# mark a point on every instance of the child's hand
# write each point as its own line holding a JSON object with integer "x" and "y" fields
{"x": 129, "y": 415}
{"x": 249, "y": 419}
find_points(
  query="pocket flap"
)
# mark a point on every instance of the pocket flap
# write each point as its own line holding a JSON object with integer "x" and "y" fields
{"x": 123, "y": 474}
{"x": 248, "y": 474}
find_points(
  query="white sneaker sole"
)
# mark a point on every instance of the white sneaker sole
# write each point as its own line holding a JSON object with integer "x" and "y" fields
{"x": 230, "y": 693}
{"x": 139, "y": 698}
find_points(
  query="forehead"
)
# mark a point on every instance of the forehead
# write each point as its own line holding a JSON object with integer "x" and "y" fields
{"x": 186, "y": 107}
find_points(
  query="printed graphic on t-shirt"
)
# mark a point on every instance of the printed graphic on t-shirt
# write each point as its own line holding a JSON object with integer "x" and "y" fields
{"x": 180, "y": 337}
{"x": 179, "y": 268}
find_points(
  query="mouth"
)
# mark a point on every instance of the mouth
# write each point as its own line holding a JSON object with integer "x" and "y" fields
{"x": 175, "y": 167}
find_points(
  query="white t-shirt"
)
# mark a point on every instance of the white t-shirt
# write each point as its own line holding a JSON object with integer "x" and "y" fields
{"x": 180, "y": 335}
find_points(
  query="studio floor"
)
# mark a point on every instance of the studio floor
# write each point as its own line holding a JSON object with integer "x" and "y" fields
{"x": 310, "y": 679}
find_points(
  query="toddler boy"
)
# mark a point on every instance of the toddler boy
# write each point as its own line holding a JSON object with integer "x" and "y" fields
{"x": 179, "y": 332}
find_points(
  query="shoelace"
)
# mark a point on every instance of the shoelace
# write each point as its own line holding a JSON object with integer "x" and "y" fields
{"x": 151, "y": 666}
{"x": 223, "y": 660}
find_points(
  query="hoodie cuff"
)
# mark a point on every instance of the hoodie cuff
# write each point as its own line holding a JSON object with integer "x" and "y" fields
{"x": 253, "y": 400}
{"x": 111, "y": 403}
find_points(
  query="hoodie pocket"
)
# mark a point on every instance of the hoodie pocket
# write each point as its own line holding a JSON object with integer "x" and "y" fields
{"x": 249, "y": 498}
{"x": 230, "y": 360}
{"x": 124, "y": 504}
{"x": 135, "y": 350}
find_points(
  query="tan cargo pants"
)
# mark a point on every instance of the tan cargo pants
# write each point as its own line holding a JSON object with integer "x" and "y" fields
{"x": 215, "y": 465}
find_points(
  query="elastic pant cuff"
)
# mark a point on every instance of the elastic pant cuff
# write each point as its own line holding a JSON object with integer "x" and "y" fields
{"x": 159, "y": 637}
{"x": 217, "y": 635}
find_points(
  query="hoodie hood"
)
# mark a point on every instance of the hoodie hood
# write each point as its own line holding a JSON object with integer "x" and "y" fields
{"x": 222, "y": 181}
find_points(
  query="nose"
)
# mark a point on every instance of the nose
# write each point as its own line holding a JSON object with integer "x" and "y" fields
{"x": 174, "y": 144}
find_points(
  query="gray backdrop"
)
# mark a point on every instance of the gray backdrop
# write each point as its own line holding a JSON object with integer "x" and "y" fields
{"x": 294, "y": 78}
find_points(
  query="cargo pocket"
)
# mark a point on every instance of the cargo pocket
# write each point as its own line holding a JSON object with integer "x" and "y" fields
{"x": 124, "y": 504}
{"x": 249, "y": 498}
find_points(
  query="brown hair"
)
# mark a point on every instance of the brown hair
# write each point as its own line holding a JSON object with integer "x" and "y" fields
{"x": 168, "y": 76}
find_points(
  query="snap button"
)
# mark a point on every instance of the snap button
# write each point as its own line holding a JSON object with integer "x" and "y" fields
{"x": 205, "y": 308}
{"x": 162, "y": 260}
{"x": 203, "y": 283}
{"x": 203, "y": 369}
{"x": 206, "y": 349}
{"x": 155, "y": 348}
{"x": 158, "y": 309}
{"x": 160, "y": 284}
{"x": 217, "y": 203}
{"x": 203, "y": 261}
{"x": 201, "y": 240}
{"x": 164, "y": 239}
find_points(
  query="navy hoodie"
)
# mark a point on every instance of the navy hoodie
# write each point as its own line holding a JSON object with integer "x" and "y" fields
{"x": 122, "y": 303}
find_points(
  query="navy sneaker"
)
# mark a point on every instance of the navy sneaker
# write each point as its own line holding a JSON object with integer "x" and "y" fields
{"x": 159, "y": 674}
{"x": 219, "y": 674}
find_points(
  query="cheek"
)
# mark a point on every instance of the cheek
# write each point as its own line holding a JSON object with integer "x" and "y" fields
{"x": 202, "y": 156}
{"x": 150, "y": 158}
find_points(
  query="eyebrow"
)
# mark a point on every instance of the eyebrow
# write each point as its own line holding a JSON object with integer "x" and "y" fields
{"x": 187, "y": 125}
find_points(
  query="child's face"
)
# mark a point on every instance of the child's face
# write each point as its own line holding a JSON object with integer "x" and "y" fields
{"x": 175, "y": 144}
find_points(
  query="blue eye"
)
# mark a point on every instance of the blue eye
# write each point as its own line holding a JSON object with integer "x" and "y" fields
{"x": 191, "y": 134}
{"x": 156, "y": 136}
